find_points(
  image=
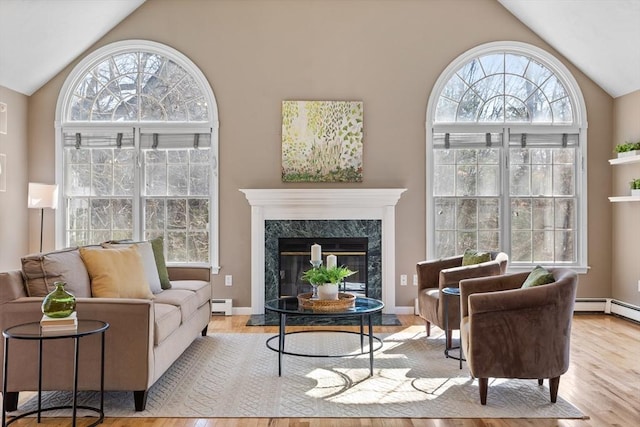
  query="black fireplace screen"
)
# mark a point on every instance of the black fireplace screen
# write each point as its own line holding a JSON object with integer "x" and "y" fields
{"x": 295, "y": 257}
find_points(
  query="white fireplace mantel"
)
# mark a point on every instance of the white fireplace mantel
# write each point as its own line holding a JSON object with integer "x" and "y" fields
{"x": 322, "y": 204}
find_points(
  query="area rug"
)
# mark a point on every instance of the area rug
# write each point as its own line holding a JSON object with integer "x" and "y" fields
{"x": 236, "y": 375}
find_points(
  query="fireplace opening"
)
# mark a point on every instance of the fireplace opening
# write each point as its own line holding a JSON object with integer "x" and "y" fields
{"x": 295, "y": 256}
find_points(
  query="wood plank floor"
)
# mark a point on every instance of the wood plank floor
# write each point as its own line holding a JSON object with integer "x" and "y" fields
{"x": 603, "y": 382}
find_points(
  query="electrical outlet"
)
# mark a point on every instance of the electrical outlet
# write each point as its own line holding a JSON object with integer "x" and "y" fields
{"x": 638, "y": 285}
{"x": 403, "y": 280}
{"x": 228, "y": 280}
{"x": 415, "y": 280}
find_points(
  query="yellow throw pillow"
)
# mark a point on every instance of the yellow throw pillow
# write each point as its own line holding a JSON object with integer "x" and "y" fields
{"x": 116, "y": 272}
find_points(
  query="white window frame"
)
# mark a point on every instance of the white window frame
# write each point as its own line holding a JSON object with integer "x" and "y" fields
{"x": 579, "y": 125}
{"x": 210, "y": 126}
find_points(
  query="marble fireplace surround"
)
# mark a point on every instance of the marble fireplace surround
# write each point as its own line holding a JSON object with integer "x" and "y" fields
{"x": 322, "y": 204}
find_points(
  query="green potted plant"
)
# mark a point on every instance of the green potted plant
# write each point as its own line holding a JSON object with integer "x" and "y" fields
{"x": 628, "y": 149}
{"x": 327, "y": 279}
{"x": 635, "y": 187}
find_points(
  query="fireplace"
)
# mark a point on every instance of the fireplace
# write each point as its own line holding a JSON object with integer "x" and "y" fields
{"x": 328, "y": 213}
{"x": 294, "y": 254}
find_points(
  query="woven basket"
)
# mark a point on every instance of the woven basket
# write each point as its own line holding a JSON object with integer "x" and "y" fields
{"x": 343, "y": 303}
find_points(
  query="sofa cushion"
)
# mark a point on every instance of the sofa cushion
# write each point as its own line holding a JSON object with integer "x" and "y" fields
{"x": 148, "y": 261}
{"x": 538, "y": 276}
{"x": 116, "y": 272}
{"x": 167, "y": 320}
{"x": 200, "y": 287}
{"x": 42, "y": 270}
{"x": 471, "y": 257}
{"x": 186, "y": 301}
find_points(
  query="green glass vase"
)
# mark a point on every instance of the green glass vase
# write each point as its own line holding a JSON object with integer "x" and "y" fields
{"x": 59, "y": 303}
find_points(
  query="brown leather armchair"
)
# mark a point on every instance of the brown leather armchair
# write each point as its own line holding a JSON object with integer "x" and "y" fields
{"x": 510, "y": 332}
{"x": 433, "y": 276}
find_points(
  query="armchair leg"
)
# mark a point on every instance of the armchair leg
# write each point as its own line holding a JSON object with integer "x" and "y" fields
{"x": 553, "y": 388}
{"x": 428, "y": 326}
{"x": 484, "y": 385}
{"x": 540, "y": 381}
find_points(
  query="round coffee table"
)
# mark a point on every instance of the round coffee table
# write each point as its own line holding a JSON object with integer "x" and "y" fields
{"x": 289, "y": 306}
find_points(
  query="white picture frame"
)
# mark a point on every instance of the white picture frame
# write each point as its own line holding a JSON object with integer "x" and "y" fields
{"x": 3, "y": 172}
{"x": 3, "y": 118}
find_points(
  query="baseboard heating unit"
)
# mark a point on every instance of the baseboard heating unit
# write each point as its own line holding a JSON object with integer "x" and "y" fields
{"x": 608, "y": 306}
{"x": 221, "y": 306}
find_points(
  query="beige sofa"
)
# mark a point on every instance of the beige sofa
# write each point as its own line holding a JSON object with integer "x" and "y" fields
{"x": 145, "y": 336}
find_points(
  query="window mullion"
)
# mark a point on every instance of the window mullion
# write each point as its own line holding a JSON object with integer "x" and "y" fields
{"x": 505, "y": 220}
{"x": 138, "y": 214}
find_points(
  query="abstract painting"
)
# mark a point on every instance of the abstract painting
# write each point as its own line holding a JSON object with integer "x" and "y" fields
{"x": 322, "y": 141}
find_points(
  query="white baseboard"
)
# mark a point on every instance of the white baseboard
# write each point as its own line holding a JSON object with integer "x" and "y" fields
{"x": 596, "y": 305}
{"x": 244, "y": 311}
{"x": 608, "y": 306}
{"x": 405, "y": 310}
{"x": 591, "y": 304}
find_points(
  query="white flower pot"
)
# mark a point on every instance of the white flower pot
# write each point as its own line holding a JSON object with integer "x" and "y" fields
{"x": 328, "y": 291}
{"x": 635, "y": 192}
{"x": 629, "y": 153}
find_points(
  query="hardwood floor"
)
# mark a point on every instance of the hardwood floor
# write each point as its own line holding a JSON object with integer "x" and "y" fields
{"x": 603, "y": 382}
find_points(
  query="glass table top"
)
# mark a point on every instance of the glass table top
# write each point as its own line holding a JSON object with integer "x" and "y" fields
{"x": 289, "y": 305}
{"x": 33, "y": 331}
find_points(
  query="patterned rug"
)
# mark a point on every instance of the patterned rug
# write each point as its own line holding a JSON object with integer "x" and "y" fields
{"x": 236, "y": 375}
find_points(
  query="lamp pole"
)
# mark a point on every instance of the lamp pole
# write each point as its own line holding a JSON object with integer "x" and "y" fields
{"x": 41, "y": 226}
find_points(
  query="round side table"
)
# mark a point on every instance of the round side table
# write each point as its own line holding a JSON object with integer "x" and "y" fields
{"x": 32, "y": 331}
{"x": 450, "y": 293}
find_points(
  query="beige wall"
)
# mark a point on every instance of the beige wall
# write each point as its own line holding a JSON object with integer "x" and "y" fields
{"x": 386, "y": 53}
{"x": 13, "y": 202}
{"x": 625, "y": 262}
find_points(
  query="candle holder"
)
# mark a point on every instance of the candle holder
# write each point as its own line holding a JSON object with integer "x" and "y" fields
{"x": 315, "y": 263}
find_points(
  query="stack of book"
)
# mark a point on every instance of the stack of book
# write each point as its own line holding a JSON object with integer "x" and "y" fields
{"x": 54, "y": 324}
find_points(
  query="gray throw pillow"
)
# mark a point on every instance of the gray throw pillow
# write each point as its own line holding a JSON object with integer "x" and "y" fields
{"x": 40, "y": 271}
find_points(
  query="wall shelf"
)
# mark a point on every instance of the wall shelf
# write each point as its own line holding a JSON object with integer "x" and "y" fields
{"x": 622, "y": 160}
{"x": 624, "y": 199}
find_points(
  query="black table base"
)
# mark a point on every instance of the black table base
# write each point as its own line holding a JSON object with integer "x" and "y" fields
{"x": 32, "y": 331}
{"x": 362, "y": 310}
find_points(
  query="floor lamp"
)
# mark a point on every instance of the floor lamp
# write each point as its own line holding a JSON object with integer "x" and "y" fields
{"x": 42, "y": 196}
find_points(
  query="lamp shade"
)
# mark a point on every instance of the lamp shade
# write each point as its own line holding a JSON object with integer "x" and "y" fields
{"x": 42, "y": 196}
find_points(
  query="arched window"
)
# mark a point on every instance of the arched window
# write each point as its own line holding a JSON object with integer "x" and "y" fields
{"x": 137, "y": 148}
{"x": 506, "y": 151}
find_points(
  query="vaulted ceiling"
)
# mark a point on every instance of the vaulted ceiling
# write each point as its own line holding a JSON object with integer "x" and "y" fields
{"x": 600, "y": 37}
{"x": 38, "y": 38}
